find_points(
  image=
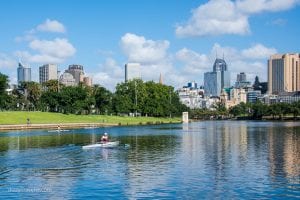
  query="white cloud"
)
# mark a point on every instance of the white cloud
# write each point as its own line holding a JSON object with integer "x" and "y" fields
{"x": 258, "y": 51}
{"x": 51, "y": 26}
{"x": 6, "y": 61}
{"x": 257, "y": 6}
{"x": 110, "y": 74}
{"x": 48, "y": 26}
{"x": 194, "y": 63}
{"x": 59, "y": 47}
{"x": 139, "y": 49}
{"x": 218, "y": 17}
{"x": 49, "y": 51}
{"x": 226, "y": 52}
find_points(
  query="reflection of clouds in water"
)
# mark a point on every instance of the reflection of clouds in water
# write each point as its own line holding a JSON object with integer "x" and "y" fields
{"x": 149, "y": 166}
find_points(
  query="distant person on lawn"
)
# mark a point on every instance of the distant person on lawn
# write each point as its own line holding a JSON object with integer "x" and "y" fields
{"x": 28, "y": 121}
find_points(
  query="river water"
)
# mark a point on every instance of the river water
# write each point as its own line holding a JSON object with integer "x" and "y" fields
{"x": 200, "y": 160}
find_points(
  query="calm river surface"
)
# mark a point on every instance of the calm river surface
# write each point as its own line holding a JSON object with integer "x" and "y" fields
{"x": 200, "y": 160}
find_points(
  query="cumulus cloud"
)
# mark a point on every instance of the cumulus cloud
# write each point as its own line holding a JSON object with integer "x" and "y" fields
{"x": 51, "y": 26}
{"x": 110, "y": 74}
{"x": 218, "y": 17}
{"x": 6, "y": 61}
{"x": 48, "y": 51}
{"x": 59, "y": 47}
{"x": 258, "y": 51}
{"x": 139, "y": 49}
{"x": 257, "y": 6}
{"x": 193, "y": 62}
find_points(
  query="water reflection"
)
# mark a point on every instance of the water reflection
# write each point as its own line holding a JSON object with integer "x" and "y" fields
{"x": 212, "y": 159}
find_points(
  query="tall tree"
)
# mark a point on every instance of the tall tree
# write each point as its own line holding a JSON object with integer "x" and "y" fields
{"x": 32, "y": 93}
{"x": 3, "y": 94}
{"x": 103, "y": 99}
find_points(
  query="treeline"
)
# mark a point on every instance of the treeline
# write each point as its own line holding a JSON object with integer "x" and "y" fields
{"x": 136, "y": 96}
{"x": 256, "y": 110}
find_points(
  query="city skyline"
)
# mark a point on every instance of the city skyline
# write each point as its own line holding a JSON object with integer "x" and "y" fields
{"x": 178, "y": 39}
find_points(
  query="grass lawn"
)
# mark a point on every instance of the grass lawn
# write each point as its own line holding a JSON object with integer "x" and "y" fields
{"x": 20, "y": 117}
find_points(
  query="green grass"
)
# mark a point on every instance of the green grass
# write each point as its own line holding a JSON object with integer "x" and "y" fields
{"x": 20, "y": 117}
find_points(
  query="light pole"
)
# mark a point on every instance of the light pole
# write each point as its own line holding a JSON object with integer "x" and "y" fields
{"x": 170, "y": 103}
{"x": 135, "y": 98}
{"x": 58, "y": 72}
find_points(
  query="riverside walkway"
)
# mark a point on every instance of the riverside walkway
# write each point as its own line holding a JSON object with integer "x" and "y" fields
{"x": 54, "y": 126}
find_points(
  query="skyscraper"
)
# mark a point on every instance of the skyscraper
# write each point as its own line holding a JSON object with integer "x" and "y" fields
{"x": 47, "y": 72}
{"x": 221, "y": 66}
{"x": 24, "y": 73}
{"x": 241, "y": 81}
{"x": 241, "y": 77}
{"x": 215, "y": 81}
{"x": 132, "y": 71}
{"x": 284, "y": 73}
{"x": 212, "y": 83}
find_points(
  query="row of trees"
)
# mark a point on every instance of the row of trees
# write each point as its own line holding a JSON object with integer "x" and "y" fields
{"x": 256, "y": 110}
{"x": 259, "y": 110}
{"x": 136, "y": 96}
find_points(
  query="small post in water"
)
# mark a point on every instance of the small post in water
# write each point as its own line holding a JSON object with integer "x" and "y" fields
{"x": 185, "y": 117}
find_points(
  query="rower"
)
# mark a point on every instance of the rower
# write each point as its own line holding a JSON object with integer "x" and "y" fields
{"x": 104, "y": 138}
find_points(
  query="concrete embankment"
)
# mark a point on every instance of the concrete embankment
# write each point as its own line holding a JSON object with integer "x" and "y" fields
{"x": 53, "y": 126}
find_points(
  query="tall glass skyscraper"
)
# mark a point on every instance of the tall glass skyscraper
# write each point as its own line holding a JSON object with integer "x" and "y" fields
{"x": 221, "y": 66}
{"x": 24, "y": 73}
{"x": 215, "y": 81}
{"x": 212, "y": 83}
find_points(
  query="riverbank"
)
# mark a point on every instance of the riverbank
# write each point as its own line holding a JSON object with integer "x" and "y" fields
{"x": 19, "y": 120}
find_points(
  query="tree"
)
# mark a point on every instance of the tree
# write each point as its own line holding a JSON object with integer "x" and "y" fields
{"x": 295, "y": 109}
{"x": 52, "y": 85}
{"x": 32, "y": 93}
{"x": 258, "y": 110}
{"x": 3, "y": 94}
{"x": 50, "y": 101}
{"x": 76, "y": 100}
{"x": 103, "y": 99}
{"x": 149, "y": 98}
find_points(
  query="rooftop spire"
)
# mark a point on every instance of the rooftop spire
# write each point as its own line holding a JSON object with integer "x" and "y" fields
{"x": 160, "y": 79}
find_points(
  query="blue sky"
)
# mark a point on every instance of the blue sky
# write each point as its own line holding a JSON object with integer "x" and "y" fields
{"x": 177, "y": 38}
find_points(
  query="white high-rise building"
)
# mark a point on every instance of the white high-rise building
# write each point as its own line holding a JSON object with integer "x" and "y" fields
{"x": 132, "y": 71}
{"x": 47, "y": 72}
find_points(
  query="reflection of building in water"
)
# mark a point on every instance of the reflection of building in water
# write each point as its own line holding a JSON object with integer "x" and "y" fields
{"x": 292, "y": 155}
{"x": 243, "y": 140}
{"x": 284, "y": 152}
{"x": 148, "y": 164}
